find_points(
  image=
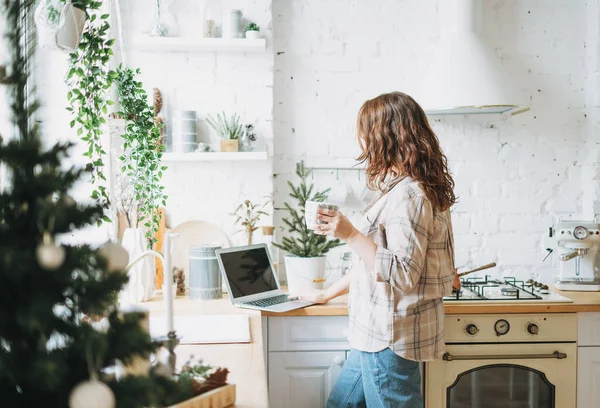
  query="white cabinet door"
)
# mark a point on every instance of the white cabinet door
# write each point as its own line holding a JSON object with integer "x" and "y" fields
{"x": 588, "y": 377}
{"x": 303, "y": 379}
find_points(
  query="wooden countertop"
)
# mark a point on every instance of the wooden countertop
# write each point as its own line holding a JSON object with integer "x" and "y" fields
{"x": 245, "y": 362}
{"x": 582, "y": 302}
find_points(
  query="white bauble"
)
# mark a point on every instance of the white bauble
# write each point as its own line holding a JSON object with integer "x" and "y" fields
{"x": 92, "y": 394}
{"x": 49, "y": 255}
{"x": 116, "y": 256}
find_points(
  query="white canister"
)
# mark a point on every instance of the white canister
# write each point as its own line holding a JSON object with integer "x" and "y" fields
{"x": 232, "y": 24}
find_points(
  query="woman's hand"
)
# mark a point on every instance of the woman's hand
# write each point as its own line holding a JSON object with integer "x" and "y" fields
{"x": 456, "y": 282}
{"x": 338, "y": 226}
{"x": 318, "y": 296}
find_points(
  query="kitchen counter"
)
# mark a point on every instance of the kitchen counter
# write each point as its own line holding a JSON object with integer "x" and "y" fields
{"x": 245, "y": 362}
{"x": 582, "y": 302}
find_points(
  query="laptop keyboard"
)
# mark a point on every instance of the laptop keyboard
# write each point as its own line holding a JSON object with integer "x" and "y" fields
{"x": 275, "y": 300}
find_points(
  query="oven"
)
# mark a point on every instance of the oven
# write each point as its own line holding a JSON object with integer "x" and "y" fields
{"x": 512, "y": 361}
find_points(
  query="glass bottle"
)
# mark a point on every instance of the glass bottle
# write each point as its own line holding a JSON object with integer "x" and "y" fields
{"x": 165, "y": 24}
{"x": 346, "y": 265}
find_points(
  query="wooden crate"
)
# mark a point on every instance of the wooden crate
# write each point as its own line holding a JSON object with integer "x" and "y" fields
{"x": 219, "y": 398}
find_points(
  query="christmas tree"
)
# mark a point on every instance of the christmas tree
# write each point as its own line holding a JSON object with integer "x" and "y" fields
{"x": 304, "y": 243}
{"x": 50, "y": 354}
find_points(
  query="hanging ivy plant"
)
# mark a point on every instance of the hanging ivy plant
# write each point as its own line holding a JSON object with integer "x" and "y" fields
{"x": 142, "y": 150}
{"x": 89, "y": 79}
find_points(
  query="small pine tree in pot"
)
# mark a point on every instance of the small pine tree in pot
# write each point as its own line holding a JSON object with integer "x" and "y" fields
{"x": 305, "y": 261}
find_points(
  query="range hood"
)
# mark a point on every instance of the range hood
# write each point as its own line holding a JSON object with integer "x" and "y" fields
{"x": 465, "y": 77}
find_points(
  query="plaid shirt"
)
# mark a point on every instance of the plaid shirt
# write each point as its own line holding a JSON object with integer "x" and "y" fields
{"x": 399, "y": 304}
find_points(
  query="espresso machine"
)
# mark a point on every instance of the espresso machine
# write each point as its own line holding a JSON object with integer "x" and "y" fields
{"x": 576, "y": 245}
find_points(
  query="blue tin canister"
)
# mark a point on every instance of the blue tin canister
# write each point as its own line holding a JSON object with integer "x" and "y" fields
{"x": 205, "y": 275}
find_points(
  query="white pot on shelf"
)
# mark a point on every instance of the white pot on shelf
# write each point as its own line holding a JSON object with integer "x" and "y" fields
{"x": 304, "y": 274}
{"x": 252, "y": 35}
{"x": 141, "y": 275}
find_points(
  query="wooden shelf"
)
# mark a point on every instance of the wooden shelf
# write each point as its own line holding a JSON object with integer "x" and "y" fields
{"x": 186, "y": 44}
{"x": 214, "y": 156}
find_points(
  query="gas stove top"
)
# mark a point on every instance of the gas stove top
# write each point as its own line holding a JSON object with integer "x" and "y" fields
{"x": 507, "y": 289}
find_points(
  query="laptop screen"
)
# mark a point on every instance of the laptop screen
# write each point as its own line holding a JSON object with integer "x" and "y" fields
{"x": 248, "y": 272}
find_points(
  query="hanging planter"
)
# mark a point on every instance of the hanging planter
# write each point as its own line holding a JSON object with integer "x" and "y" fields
{"x": 59, "y": 26}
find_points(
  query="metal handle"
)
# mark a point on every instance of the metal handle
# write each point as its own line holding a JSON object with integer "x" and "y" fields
{"x": 558, "y": 355}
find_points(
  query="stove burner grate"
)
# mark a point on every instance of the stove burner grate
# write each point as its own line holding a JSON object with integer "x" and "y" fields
{"x": 478, "y": 289}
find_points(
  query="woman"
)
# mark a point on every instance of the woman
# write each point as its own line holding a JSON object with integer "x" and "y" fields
{"x": 406, "y": 258}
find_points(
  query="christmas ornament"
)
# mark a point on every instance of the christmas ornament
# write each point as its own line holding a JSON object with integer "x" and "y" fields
{"x": 68, "y": 201}
{"x": 116, "y": 256}
{"x": 92, "y": 394}
{"x": 49, "y": 255}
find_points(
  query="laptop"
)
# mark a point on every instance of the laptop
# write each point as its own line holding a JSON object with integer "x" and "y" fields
{"x": 251, "y": 280}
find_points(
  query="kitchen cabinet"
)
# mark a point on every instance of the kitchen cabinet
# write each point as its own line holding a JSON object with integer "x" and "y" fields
{"x": 588, "y": 356}
{"x": 303, "y": 379}
{"x": 304, "y": 359}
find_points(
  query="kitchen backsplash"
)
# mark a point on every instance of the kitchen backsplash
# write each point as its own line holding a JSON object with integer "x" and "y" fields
{"x": 512, "y": 174}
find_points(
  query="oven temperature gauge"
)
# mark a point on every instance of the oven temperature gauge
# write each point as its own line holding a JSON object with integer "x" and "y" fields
{"x": 580, "y": 232}
{"x": 501, "y": 327}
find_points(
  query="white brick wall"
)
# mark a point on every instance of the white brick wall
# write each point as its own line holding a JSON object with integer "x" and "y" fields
{"x": 326, "y": 58}
{"x": 512, "y": 175}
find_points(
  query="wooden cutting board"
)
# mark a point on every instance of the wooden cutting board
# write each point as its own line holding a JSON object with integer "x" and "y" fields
{"x": 160, "y": 236}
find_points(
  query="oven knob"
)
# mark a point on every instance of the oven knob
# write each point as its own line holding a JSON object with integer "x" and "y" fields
{"x": 533, "y": 328}
{"x": 472, "y": 329}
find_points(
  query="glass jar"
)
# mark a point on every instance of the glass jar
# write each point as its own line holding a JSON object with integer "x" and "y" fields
{"x": 232, "y": 24}
{"x": 207, "y": 17}
{"x": 164, "y": 24}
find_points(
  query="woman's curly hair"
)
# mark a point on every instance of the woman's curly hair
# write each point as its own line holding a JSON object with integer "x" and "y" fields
{"x": 397, "y": 142}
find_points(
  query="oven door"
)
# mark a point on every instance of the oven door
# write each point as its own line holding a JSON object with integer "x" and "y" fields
{"x": 503, "y": 376}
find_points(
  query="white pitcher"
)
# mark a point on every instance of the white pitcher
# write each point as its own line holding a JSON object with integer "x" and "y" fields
{"x": 141, "y": 275}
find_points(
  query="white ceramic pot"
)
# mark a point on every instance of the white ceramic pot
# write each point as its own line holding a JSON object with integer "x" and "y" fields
{"x": 141, "y": 275}
{"x": 252, "y": 35}
{"x": 304, "y": 274}
{"x": 69, "y": 35}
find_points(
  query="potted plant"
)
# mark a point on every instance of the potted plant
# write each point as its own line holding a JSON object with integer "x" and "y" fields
{"x": 228, "y": 128}
{"x": 305, "y": 258}
{"x": 138, "y": 190}
{"x": 252, "y": 31}
{"x": 248, "y": 215}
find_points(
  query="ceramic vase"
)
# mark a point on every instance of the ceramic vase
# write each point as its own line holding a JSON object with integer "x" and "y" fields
{"x": 141, "y": 275}
{"x": 304, "y": 274}
{"x": 252, "y": 35}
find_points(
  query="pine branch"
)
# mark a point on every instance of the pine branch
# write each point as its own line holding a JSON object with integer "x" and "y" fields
{"x": 303, "y": 242}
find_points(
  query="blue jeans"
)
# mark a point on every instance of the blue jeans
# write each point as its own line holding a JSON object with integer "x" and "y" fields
{"x": 377, "y": 380}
